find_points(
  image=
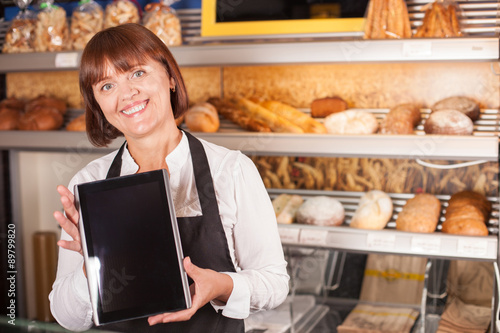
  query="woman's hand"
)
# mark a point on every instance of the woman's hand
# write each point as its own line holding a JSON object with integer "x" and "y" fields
{"x": 208, "y": 285}
{"x": 69, "y": 222}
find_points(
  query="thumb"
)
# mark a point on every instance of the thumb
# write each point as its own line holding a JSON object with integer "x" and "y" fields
{"x": 190, "y": 268}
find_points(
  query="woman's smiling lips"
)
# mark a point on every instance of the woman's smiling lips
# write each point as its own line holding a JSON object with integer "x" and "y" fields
{"x": 134, "y": 109}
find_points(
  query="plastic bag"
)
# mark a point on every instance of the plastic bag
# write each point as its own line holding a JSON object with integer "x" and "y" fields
{"x": 120, "y": 12}
{"x": 21, "y": 34}
{"x": 51, "y": 32}
{"x": 387, "y": 19}
{"x": 162, "y": 19}
{"x": 440, "y": 20}
{"x": 86, "y": 20}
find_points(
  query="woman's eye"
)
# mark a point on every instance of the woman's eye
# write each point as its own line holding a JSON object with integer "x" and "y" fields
{"x": 107, "y": 87}
{"x": 138, "y": 73}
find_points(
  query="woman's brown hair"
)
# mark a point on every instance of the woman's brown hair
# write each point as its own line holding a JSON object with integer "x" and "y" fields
{"x": 123, "y": 47}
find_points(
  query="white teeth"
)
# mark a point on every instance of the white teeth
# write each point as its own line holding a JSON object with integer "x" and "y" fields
{"x": 135, "y": 109}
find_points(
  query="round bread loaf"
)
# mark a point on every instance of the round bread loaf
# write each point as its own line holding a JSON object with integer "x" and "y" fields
{"x": 13, "y": 103}
{"x": 202, "y": 117}
{"x": 465, "y": 226}
{"x": 449, "y": 122}
{"x": 323, "y": 107}
{"x": 419, "y": 214}
{"x": 44, "y": 101}
{"x": 466, "y": 105}
{"x": 322, "y": 211}
{"x": 9, "y": 118}
{"x": 374, "y": 211}
{"x": 41, "y": 119}
{"x": 351, "y": 122}
{"x": 77, "y": 124}
{"x": 467, "y": 214}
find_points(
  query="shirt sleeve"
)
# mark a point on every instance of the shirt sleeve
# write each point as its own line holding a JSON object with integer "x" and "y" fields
{"x": 261, "y": 280}
{"x": 69, "y": 299}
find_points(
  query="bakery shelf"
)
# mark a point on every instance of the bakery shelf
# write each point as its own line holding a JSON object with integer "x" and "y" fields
{"x": 390, "y": 240}
{"x": 401, "y": 146}
{"x": 315, "y": 51}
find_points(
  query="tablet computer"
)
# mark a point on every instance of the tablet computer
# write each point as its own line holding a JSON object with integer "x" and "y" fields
{"x": 132, "y": 249}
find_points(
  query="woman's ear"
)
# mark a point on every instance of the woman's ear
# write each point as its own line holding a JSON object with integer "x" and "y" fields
{"x": 172, "y": 84}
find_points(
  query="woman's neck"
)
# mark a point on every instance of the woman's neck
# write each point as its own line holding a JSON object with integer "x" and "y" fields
{"x": 150, "y": 152}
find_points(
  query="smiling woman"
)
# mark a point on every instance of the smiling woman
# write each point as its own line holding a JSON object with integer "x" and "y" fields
{"x": 132, "y": 86}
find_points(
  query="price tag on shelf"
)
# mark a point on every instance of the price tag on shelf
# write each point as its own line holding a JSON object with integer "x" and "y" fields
{"x": 289, "y": 235}
{"x": 313, "y": 237}
{"x": 417, "y": 49}
{"x": 381, "y": 241}
{"x": 425, "y": 244}
{"x": 472, "y": 247}
{"x": 66, "y": 60}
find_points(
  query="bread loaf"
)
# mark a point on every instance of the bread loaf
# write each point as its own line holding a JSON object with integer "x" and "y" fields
{"x": 322, "y": 107}
{"x": 41, "y": 119}
{"x": 351, "y": 122}
{"x": 419, "y": 214}
{"x": 464, "y": 104}
{"x": 202, "y": 117}
{"x": 231, "y": 112}
{"x": 322, "y": 211}
{"x": 77, "y": 124}
{"x": 299, "y": 118}
{"x": 286, "y": 206}
{"x": 374, "y": 211}
{"x": 9, "y": 118}
{"x": 44, "y": 101}
{"x": 13, "y": 103}
{"x": 448, "y": 122}
{"x": 467, "y": 214}
{"x": 401, "y": 119}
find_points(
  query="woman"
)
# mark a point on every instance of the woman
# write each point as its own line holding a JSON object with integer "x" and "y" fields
{"x": 132, "y": 86}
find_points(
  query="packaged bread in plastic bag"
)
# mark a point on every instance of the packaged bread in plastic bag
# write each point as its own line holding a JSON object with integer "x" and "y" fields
{"x": 51, "y": 32}
{"x": 20, "y": 36}
{"x": 87, "y": 19}
{"x": 440, "y": 20}
{"x": 120, "y": 12}
{"x": 162, "y": 19}
{"x": 387, "y": 19}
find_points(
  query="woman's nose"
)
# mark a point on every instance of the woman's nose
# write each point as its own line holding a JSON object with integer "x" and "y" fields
{"x": 129, "y": 91}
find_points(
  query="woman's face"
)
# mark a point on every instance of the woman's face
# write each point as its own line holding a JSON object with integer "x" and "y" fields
{"x": 136, "y": 102}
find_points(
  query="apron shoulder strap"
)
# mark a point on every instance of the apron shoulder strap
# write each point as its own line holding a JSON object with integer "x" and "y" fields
{"x": 116, "y": 166}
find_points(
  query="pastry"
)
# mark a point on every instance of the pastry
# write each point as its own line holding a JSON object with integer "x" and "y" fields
{"x": 351, "y": 122}
{"x": 322, "y": 107}
{"x": 286, "y": 206}
{"x": 120, "y": 12}
{"x": 449, "y": 122}
{"x": 163, "y": 22}
{"x": 374, "y": 211}
{"x": 231, "y": 112}
{"x": 419, "y": 214}
{"x": 44, "y": 101}
{"x": 9, "y": 118}
{"x": 13, "y": 103}
{"x": 77, "y": 124}
{"x": 299, "y": 118}
{"x": 466, "y": 105}
{"x": 322, "y": 211}
{"x": 41, "y": 119}
{"x": 401, "y": 119}
{"x": 202, "y": 117}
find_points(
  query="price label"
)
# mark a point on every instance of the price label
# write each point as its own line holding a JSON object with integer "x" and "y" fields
{"x": 417, "y": 49}
{"x": 289, "y": 235}
{"x": 66, "y": 60}
{"x": 425, "y": 244}
{"x": 313, "y": 237}
{"x": 380, "y": 241}
{"x": 472, "y": 247}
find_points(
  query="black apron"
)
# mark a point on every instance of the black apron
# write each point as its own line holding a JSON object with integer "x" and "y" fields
{"x": 203, "y": 240}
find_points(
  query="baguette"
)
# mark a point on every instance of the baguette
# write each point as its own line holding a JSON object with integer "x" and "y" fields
{"x": 297, "y": 117}
{"x": 275, "y": 122}
{"x": 229, "y": 111}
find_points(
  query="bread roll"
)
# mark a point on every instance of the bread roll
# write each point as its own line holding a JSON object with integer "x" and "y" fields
{"x": 466, "y": 105}
{"x": 299, "y": 118}
{"x": 286, "y": 206}
{"x": 401, "y": 119}
{"x": 41, "y": 119}
{"x": 322, "y": 211}
{"x": 77, "y": 124}
{"x": 419, "y": 214}
{"x": 13, "y": 103}
{"x": 448, "y": 122}
{"x": 322, "y": 107}
{"x": 467, "y": 214}
{"x": 373, "y": 212}
{"x": 202, "y": 117}
{"x": 234, "y": 114}
{"x": 44, "y": 101}
{"x": 351, "y": 122}
{"x": 9, "y": 118}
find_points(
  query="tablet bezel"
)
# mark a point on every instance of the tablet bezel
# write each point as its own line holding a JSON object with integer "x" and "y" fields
{"x": 162, "y": 179}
